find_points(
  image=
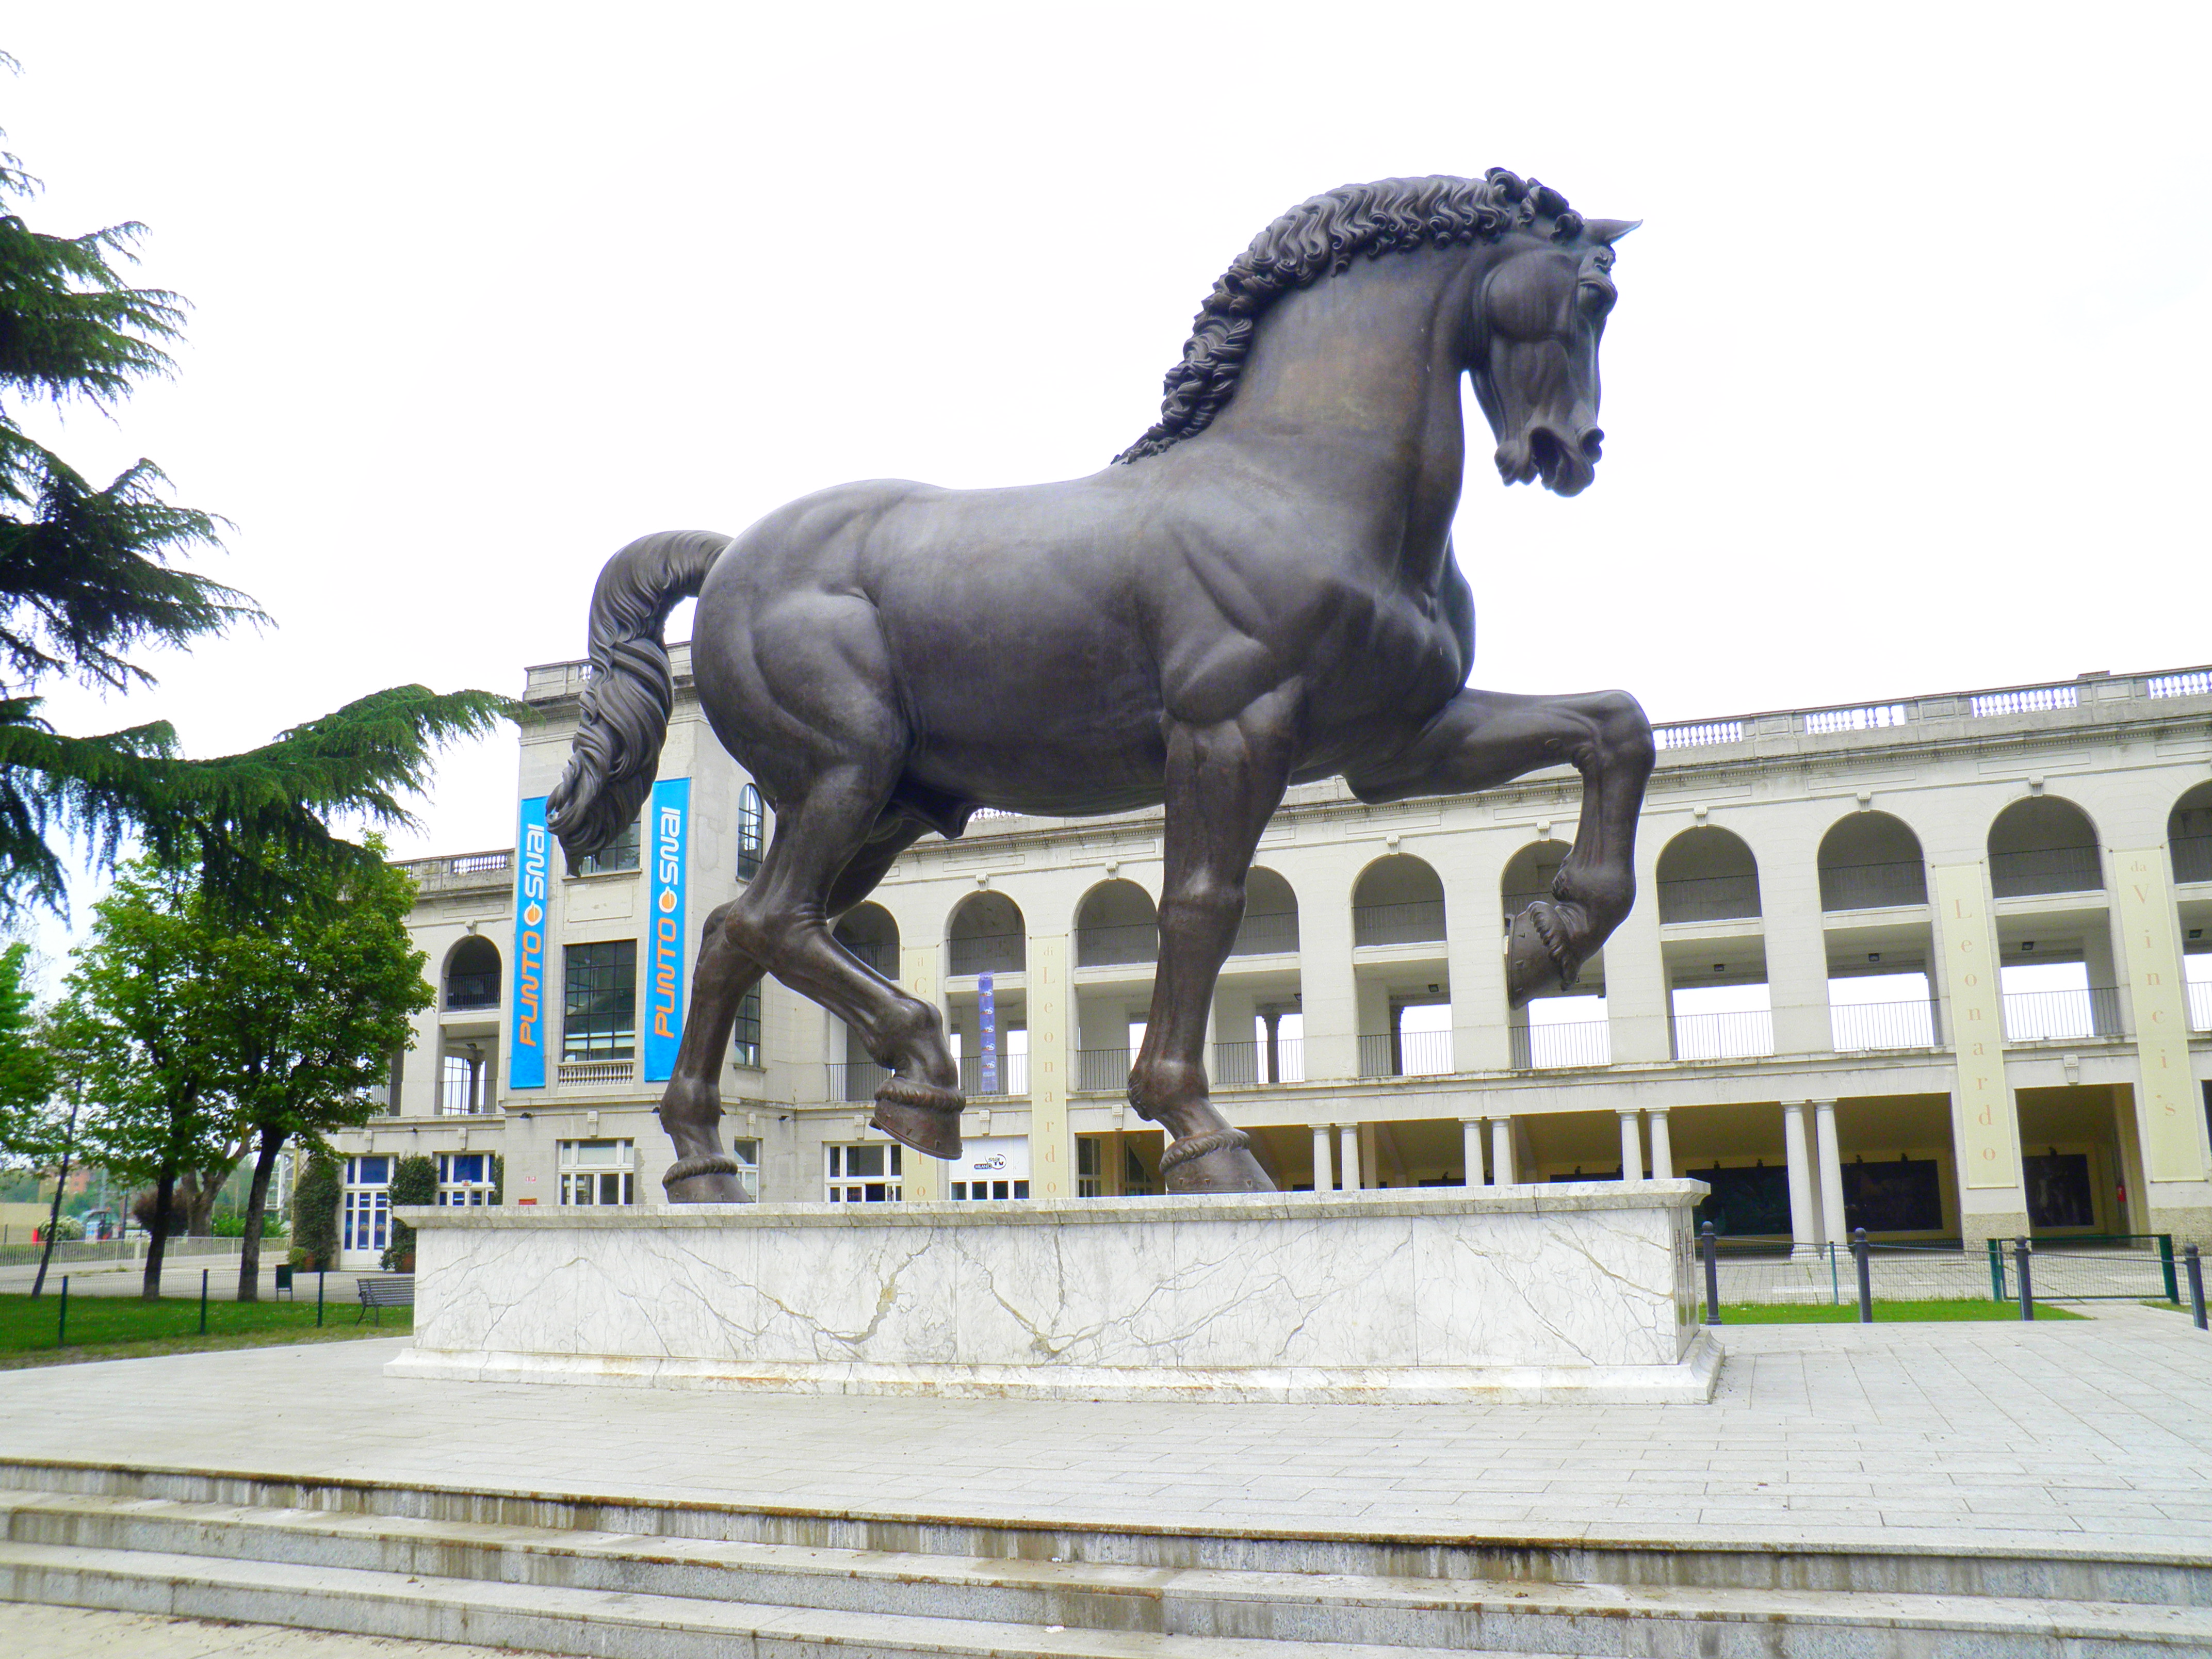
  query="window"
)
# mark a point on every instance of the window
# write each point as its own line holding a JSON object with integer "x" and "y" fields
{"x": 1088, "y": 1184}
{"x": 598, "y": 1172}
{"x": 864, "y": 1175}
{"x": 752, "y": 832}
{"x": 600, "y": 989}
{"x": 745, "y": 1031}
{"x": 747, "y": 1154}
{"x": 464, "y": 1179}
{"x": 461, "y": 1082}
{"x": 973, "y": 1189}
{"x": 620, "y": 853}
{"x": 367, "y": 1223}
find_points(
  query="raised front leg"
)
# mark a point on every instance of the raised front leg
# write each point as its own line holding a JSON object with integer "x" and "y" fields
{"x": 1224, "y": 782}
{"x": 1484, "y": 738}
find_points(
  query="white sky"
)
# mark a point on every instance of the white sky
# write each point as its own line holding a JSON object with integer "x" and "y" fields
{"x": 1905, "y": 391}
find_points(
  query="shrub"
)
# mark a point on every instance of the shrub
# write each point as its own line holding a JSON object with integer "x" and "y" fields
{"x": 414, "y": 1181}
{"x": 315, "y": 1213}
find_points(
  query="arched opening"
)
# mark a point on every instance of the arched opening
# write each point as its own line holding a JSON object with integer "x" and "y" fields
{"x": 1707, "y": 874}
{"x": 1270, "y": 926}
{"x": 2189, "y": 835}
{"x": 987, "y": 936}
{"x": 1398, "y": 900}
{"x": 1528, "y": 875}
{"x": 752, "y": 832}
{"x": 1870, "y": 861}
{"x": 2044, "y": 844}
{"x": 1116, "y": 922}
{"x": 473, "y": 974}
{"x": 1569, "y": 1028}
{"x": 870, "y": 934}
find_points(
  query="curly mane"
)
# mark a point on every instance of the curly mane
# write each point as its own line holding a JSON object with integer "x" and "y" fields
{"x": 1320, "y": 237}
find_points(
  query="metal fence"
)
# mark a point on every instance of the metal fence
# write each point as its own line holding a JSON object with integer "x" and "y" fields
{"x": 1103, "y": 1069}
{"x": 1250, "y": 1064}
{"x": 1856, "y": 1027}
{"x": 2132, "y": 1266}
{"x": 2110, "y": 1267}
{"x": 1420, "y": 922}
{"x": 2045, "y": 870}
{"x": 82, "y": 1253}
{"x": 1267, "y": 933}
{"x": 2200, "y": 1005}
{"x": 989, "y": 953}
{"x": 1742, "y": 1036}
{"x": 1872, "y": 886}
{"x": 2192, "y": 858}
{"x": 1552, "y": 1048}
{"x": 1405, "y": 1054}
{"x": 1709, "y": 898}
{"x": 1102, "y": 947}
{"x": 2058, "y": 1016}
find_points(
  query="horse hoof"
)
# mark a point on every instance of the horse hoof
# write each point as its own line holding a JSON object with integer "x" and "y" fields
{"x": 918, "y": 1115}
{"x": 710, "y": 1178}
{"x": 1531, "y": 968}
{"x": 1217, "y": 1163}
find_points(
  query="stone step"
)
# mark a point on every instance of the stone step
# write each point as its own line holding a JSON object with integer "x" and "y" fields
{"x": 1342, "y": 1612}
{"x": 2083, "y": 1573}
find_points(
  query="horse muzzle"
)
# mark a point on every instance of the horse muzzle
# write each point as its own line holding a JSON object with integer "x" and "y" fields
{"x": 1566, "y": 465}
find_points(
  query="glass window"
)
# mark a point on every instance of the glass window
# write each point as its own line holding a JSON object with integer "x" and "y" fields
{"x": 1087, "y": 1181}
{"x": 747, "y": 1154}
{"x": 464, "y": 1179}
{"x": 620, "y": 853}
{"x": 598, "y": 1172}
{"x": 867, "y": 1173}
{"x": 599, "y": 1001}
{"x": 366, "y": 1219}
{"x": 752, "y": 832}
{"x": 745, "y": 1031}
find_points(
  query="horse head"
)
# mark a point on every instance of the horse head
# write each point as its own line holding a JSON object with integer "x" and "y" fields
{"x": 1539, "y": 312}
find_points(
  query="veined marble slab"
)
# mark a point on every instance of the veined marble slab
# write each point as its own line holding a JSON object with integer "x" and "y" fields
{"x": 1431, "y": 1295}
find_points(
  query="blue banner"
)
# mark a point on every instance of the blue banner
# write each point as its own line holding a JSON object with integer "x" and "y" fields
{"x": 526, "y": 1033}
{"x": 667, "y": 829}
{"x": 987, "y": 1032}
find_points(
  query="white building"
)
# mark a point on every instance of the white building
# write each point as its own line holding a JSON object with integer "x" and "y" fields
{"x": 1941, "y": 968}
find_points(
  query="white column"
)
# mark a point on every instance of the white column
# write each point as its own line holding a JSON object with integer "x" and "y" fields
{"x": 1324, "y": 1177}
{"x": 1470, "y": 1146}
{"x": 1831, "y": 1172}
{"x": 1663, "y": 1145}
{"x": 1501, "y": 1151}
{"x": 1347, "y": 1155}
{"x": 1632, "y": 1145}
{"x": 1804, "y": 1223}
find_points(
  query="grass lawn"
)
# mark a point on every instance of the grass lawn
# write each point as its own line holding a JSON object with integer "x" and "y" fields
{"x": 1822, "y": 1313}
{"x": 123, "y": 1328}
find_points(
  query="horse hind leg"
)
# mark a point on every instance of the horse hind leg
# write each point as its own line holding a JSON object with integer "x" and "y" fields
{"x": 691, "y": 1105}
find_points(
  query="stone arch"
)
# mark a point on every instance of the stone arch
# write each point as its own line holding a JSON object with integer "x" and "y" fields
{"x": 1270, "y": 926}
{"x": 1398, "y": 900}
{"x": 1116, "y": 922}
{"x": 871, "y": 933}
{"x": 2189, "y": 835}
{"x": 1708, "y": 875}
{"x": 471, "y": 975}
{"x": 2044, "y": 844}
{"x": 1528, "y": 875}
{"x": 1868, "y": 861}
{"x": 987, "y": 935}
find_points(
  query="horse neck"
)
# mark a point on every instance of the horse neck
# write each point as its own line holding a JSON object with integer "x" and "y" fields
{"x": 1353, "y": 385}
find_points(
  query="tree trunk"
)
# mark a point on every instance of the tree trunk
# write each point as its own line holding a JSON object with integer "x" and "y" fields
{"x": 54, "y": 1215}
{"x": 257, "y": 1201}
{"x": 200, "y": 1189}
{"x": 164, "y": 1191}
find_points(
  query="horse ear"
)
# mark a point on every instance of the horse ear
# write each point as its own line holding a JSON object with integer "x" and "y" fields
{"x": 1605, "y": 232}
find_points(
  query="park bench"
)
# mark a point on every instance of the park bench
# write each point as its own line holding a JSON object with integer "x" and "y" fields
{"x": 382, "y": 1291}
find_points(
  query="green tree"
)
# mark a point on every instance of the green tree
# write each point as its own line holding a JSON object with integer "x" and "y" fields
{"x": 316, "y": 1000}
{"x": 91, "y": 577}
{"x": 315, "y": 1210}
{"x": 414, "y": 1181}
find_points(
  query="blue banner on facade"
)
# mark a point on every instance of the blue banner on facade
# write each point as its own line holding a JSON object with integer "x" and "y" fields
{"x": 986, "y": 1035}
{"x": 667, "y": 830}
{"x": 526, "y": 1032}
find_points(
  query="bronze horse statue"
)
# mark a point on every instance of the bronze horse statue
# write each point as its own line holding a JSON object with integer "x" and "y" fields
{"x": 1261, "y": 591}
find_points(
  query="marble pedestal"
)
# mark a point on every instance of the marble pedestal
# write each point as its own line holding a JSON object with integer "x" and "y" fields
{"x": 1571, "y": 1291}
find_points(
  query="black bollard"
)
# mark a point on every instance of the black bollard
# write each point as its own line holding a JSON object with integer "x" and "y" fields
{"x": 2195, "y": 1266}
{"x": 61, "y": 1324}
{"x": 203, "y": 1282}
{"x": 1861, "y": 1255}
{"x": 321, "y": 1274}
{"x": 2026, "y": 1289}
{"x": 1709, "y": 1246}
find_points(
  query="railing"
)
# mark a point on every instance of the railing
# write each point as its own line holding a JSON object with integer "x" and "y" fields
{"x": 1405, "y": 1054}
{"x": 2028, "y": 700}
{"x": 1698, "y": 734}
{"x": 436, "y": 870}
{"x": 1873, "y": 886}
{"x": 879, "y": 954}
{"x": 1247, "y": 1064}
{"x": 2200, "y": 1005}
{"x": 595, "y": 1071}
{"x": 2062, "y": 1016}
{"x": 473, "y": 991}
{"x": 2192, "y": 858}
{"x": 1749, "y": 1035}
{"x": 1709, "y": 898}
{"x": 1857, "y": 1027}
{"x": 1514, "y": 904}
{"x": 1013, "y": 1077}
{"x": 1555, "y": 1047}
{"x": 989, "y": 953}
{"x": 855, "y": 1079}
{"x": 1267, "y": 933}
{"x": 2045, "y": 870}
{"x": 2189, "y": 683}
{"x": 1418, "y": 923}
{"x": 458, "y": 1104}
{"x": 1867, "y": 717}
{"x": 1106, "y": 947}
{"x": 1102, "y": 1068}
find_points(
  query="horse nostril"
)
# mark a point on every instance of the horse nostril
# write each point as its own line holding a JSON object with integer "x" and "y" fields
{"x": 1593, "y": 442}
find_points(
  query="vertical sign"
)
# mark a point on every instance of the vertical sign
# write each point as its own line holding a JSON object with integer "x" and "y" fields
{"x": 1051, "y": 1150}
{"x": 986, "y": 1035}
{"x": 667, "y": 825}
{"x": 2168, "y": 1104}
{"x": 526, "y": 1056}
{"x": 1988, "y": 1127}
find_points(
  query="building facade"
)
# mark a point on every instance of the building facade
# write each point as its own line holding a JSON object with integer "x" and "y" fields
{"x": 1941, "y": 968}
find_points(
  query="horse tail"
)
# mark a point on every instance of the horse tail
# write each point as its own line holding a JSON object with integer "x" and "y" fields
{"x": 623, "y": 713}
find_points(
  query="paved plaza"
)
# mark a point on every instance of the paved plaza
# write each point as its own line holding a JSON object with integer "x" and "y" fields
{"x": 42, "y": 1632}
{"x": 2045, "y": 1435}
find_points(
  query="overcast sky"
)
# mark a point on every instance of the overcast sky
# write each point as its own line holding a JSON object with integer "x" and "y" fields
{"x": 1904, "y": 393}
